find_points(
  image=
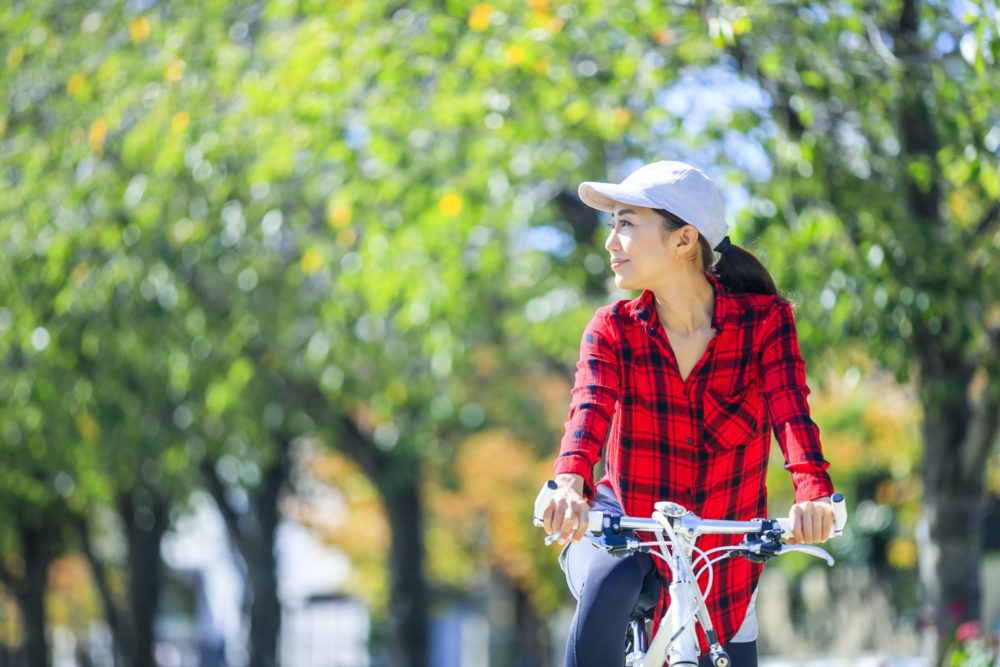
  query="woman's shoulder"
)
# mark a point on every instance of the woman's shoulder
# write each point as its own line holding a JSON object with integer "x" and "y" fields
{"x": 757, "y": 308}
{"x": 759, "y": 301}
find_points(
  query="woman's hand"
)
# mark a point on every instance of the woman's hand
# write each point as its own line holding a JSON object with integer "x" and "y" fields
{"x": 811, "y": 521}
{"x": 567, "y": 512}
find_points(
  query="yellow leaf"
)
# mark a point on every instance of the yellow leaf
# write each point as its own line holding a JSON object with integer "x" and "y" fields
{"x": 15, "y": 56}
{"x": 340, "y": 216}
{"x": 902, "y": 553}
{"x": 479, "y": 18}
{"x": 174, "y": 71}
{"x": 450, "y": 204}
{"x": 742, "y": 25}
{"x": 87, "y": 427}
{"x": 312, "y": 261}
{"x": 139, "y": 29}
{"x": 515, "y": 54}
{"x": 541, "y": 67}
{"x": 662, "y": 36}
{"x": 180, "y": 121}
{"x": 960, "y": 202}
{"x": 98, "y": 131}
{"x": 540, "y": 18}
{"x": 622, "y": 116}
{"x": 76, "y": 85}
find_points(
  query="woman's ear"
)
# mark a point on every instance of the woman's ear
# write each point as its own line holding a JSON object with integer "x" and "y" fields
{"x": 686, "y": 240}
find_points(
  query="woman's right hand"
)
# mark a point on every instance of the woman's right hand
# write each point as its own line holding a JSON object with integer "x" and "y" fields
{"x": 567, "y": 513}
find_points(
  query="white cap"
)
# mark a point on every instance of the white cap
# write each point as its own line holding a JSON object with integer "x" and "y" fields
{"x": 673, "y": 186}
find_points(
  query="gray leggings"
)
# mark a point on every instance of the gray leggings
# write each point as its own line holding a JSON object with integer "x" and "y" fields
{"x": 607, "y": 589}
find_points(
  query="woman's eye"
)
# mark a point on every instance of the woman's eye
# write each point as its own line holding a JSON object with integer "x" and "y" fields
{"x": 611, "y": 225}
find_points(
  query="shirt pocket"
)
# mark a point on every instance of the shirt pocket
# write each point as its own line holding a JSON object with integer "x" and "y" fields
{"x": 731, "y": 420}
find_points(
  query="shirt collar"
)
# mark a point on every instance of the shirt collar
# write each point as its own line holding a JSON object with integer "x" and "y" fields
{"x": 644, "y": 308}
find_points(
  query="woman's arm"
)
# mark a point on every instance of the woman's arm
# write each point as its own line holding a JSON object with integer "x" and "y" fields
{"x": 595, "y": 390}
{"x": 784, "y": 382}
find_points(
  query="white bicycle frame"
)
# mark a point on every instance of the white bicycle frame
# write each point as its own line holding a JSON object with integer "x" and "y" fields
{"x": 676, "y": 530}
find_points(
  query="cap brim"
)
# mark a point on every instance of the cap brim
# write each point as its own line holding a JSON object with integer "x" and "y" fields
{"x": 605, "y": 196}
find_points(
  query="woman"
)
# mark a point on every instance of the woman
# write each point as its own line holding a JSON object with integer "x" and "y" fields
{"x": 678, "y": 389}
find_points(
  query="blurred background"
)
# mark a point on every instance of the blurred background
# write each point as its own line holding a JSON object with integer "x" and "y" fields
{"x": 291, "y": 296}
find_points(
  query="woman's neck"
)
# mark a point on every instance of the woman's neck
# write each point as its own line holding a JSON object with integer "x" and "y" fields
{"x": 685, "y": 303}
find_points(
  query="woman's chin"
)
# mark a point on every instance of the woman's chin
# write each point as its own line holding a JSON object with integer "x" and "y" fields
{"x": 622, "y": 283}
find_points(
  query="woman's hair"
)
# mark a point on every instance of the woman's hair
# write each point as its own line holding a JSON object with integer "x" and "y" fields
{"x": 737, "y": 269}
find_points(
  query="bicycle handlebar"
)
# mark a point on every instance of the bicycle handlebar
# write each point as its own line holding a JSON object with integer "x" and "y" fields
{"x": 688, "y": 522}
{"x": 676, "y": 530}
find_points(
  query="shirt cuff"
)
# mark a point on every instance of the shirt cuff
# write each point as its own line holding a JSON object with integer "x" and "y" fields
{"x": 811, "y": 486}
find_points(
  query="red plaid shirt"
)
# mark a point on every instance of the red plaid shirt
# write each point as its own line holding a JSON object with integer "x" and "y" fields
{"x": 703, "y": 442}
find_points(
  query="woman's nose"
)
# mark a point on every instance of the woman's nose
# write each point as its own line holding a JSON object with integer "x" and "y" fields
{"x": 612, "y": 244}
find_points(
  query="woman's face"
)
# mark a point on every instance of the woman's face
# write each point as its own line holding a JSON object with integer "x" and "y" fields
{"x": 643, "y": 253}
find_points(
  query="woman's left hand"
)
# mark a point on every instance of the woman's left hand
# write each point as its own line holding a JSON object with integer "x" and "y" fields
{"x": 811, "y": 521}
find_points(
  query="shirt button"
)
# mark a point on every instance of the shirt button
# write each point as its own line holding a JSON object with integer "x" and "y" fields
{"x": 688, "y": 441}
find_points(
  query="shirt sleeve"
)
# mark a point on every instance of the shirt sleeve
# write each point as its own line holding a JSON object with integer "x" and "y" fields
{"x": 595, "y": 391}
{"x": 785, "y": 389}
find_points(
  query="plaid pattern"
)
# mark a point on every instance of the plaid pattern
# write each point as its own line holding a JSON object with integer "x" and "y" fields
{"x": 703, "y": 442}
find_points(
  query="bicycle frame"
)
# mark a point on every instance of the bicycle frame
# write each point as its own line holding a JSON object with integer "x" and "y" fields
{"x": 676, "y": 530}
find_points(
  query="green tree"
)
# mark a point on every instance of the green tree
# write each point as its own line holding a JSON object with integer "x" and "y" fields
{"x": 310, "y": 219}
{"x": 885, "y": 164}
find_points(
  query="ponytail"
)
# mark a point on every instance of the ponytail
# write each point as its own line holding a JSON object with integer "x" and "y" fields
{"x": 740, "y": 272}
{"x": 736, "y": 269}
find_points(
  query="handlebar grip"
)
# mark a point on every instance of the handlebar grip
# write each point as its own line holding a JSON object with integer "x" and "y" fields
{"x": 839, "y": 518}
{"x": 839, "y": 514}
{"x": 595, "y": 521}
{"x": 542, "y": 501}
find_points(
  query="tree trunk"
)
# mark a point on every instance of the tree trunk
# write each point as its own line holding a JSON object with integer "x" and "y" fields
{"x": 254, "y": 534}
{"x": 265, "y": 610}
{"x": 118, "y": 623}
{"x": 959, "y": 421}
{"x": 31, "y": 596}
{"x": 959, "y": 427}
{"x": 408, "y": 612}
{"x": 397, "y": 478}
{"x": 145, "y": 521}
{"x": 949, "y": 527}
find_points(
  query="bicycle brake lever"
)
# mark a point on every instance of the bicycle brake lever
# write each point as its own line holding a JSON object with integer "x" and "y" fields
{"x": 811, "y": 550}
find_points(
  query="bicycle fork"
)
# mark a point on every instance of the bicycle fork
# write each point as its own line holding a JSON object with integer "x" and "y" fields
{"x": 684, "y": 649}
{"x": 677, "y": 634}
{"x": 682, "y": 644}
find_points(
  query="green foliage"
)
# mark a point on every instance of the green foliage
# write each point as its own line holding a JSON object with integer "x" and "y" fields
{"x": 839, "y": 189}
{"x": 225, "y": 224}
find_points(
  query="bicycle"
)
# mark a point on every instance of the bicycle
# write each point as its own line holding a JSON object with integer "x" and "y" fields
{"x": 676, "y": 530}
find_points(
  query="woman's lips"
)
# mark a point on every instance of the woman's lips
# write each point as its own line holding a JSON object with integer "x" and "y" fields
{"x": 615, "y": 263}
